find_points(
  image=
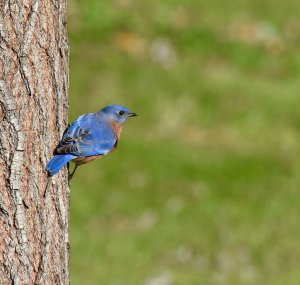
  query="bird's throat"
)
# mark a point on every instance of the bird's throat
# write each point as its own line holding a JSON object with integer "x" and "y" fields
{"x": 117, "y": 128}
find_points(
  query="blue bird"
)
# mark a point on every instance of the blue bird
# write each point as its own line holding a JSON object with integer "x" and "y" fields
{"x": 89, "y": 137}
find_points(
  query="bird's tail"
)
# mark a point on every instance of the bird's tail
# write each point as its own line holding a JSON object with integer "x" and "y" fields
{"x": 57, "y": 162}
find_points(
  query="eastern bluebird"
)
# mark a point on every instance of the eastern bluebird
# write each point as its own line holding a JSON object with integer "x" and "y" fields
{"x": 89, "y": 137}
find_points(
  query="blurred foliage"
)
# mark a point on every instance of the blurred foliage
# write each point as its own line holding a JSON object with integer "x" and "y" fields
{"x": 204, "y": 188}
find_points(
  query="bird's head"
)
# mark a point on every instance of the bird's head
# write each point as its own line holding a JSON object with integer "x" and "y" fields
{"x": 117, "y": 113}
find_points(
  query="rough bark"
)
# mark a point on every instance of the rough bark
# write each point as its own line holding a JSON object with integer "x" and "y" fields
{"x": 34, "y": 209}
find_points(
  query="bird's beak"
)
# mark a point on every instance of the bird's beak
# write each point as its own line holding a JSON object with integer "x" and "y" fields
{"x": 131, "y": 114}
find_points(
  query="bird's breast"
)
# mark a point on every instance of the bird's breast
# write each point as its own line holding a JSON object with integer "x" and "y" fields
{"x": 117, "y": 128}
{"x": 85, "y": 159}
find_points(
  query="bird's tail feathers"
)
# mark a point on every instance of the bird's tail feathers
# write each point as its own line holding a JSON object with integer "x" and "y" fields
{"x": 57, "y": 162}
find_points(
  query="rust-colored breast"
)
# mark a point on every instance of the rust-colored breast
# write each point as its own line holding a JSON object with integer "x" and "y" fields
{"x": 117, "y": 127}
{"x": 83, "y": 160}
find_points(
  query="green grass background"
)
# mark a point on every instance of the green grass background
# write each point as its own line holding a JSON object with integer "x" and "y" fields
{"x": 204, "y": 188}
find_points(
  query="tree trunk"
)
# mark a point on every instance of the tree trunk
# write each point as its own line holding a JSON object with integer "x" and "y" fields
{"x": 34, "y": 209}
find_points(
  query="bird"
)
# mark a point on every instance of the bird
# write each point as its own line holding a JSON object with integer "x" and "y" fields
{"x": 89, "y": 137}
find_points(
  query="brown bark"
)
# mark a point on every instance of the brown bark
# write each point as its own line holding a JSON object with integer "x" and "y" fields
{"x": 34, "y": 209}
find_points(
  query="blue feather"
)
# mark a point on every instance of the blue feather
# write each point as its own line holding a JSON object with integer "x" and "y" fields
{"x": 57, "y": 162}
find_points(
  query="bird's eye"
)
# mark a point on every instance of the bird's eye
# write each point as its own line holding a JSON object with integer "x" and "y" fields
{"x": 121, "y": 113}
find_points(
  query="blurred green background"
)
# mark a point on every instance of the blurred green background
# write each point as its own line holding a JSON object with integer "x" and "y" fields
{"x": 204, "y": 188}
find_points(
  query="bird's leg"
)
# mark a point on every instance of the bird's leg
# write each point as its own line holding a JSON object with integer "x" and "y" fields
{"x": 68, "y": 168}
{"x": 73, "y": 172}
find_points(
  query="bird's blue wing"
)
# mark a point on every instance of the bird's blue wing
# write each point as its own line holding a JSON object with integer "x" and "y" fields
{"x": 88, "y": 135}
